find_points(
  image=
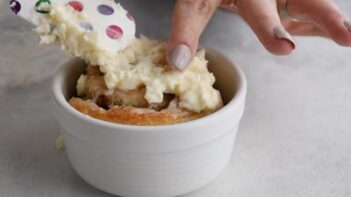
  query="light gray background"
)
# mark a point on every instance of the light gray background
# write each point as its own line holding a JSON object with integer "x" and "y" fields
{"x": 294, "y": 140}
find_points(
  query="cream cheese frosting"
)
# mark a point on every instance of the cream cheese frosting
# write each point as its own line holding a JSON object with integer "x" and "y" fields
{"x": 141, "y": 64}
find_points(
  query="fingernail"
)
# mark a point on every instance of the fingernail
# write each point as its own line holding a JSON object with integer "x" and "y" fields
{"x": 180, "y": 56}
{"x": 348, "y": 25}
{"x": 281, "y": 33}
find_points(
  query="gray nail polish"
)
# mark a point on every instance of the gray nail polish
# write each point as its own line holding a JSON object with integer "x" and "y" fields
{"x": 348, "y": 25}
{"x": 281, "y": 33}
{"x": 180, "y": 56}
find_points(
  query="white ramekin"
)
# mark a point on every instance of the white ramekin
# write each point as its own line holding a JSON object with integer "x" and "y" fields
{"x": 154, "y": 161}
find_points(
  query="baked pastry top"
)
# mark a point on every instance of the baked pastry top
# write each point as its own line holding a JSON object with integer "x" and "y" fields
{"x": 127, "y": 107}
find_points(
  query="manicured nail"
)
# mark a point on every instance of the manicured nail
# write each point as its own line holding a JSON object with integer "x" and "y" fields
{"x": 281, "y": 33}
{"x": 348, "y": 25}
{"x": 180, "y": 56}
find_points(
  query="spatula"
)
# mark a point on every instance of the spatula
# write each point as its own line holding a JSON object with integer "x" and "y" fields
{"x": 108, "y": 18}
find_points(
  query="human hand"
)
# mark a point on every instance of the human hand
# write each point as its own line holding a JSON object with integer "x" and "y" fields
{"x": 319, "y": 17}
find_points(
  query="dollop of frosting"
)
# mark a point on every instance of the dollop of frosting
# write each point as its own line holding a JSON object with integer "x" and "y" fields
{"x": 141, "y": 64}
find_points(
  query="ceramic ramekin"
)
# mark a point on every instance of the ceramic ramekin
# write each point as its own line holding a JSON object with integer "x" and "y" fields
{"x": 153, "y": 161}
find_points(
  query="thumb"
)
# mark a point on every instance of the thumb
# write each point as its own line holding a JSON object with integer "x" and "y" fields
{"x": 190, "y": 18}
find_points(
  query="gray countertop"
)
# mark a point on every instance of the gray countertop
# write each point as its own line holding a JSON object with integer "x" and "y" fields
{"x": 294, "y": 139}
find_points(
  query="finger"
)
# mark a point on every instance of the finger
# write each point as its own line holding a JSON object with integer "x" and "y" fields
{"x": 304, "y": 28}
{"x": 189, "y": 20}
{"x": 327, "y": 16}
{"x": 263, "y": 18}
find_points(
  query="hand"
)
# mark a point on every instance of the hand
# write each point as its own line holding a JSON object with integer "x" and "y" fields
{"x": 321, "y": 17}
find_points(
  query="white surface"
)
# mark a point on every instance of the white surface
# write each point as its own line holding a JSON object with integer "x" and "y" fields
{"x": 294, "y": 140}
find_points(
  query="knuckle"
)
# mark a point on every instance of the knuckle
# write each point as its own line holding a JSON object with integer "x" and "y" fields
{"x": 201, "y": 7}
{"x": 335, "y": 15}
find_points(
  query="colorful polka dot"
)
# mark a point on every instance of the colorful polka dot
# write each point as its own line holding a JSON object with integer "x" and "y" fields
{"x": 15, "y": 6}
{"x": 43, "y": 6}
{"x": 86, "y": 26}
{"x": 76, "y": 5}
{"x": 114, "y": 32}
{"x": 130, "y": 17}
{"x": 105, "y": 9}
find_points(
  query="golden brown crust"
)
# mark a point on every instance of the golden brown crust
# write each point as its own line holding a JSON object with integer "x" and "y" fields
{"x": 134, "y": 116}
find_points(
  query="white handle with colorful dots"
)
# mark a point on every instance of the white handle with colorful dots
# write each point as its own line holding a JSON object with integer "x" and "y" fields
{"x": 25, "y": 9}
{"x": 108, "y": 18}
